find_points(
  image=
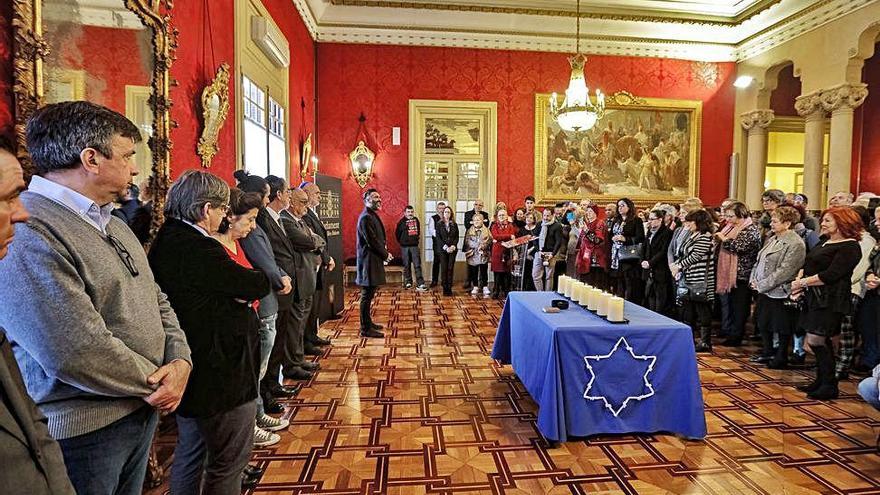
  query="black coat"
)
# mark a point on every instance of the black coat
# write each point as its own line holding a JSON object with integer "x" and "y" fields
{"x": 283, "y": 250}
{"x": 202, "y": 283}
{"x": 555, "y": 241}
{"x": 447, "y": 236}
{"x": 654, "y": 253}
{"x": 469, "y": 215}
{"x": 371, "y": 250}
{"x": 306, "y": 247}
{"x": 311, "y": 219}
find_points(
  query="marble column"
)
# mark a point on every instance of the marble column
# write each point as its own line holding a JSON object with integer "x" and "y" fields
{"x": 809, "y": 107}
{"x": 755, "y": 123}
{"x": 841, "y": 101}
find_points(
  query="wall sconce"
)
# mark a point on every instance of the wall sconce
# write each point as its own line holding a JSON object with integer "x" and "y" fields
{"x": 362, "y": 163}
{"x": 362, "y": 157}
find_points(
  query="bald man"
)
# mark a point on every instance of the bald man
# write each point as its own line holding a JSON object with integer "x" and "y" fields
{"x": 31, "y": 458}
{"x": 312, "y": 341}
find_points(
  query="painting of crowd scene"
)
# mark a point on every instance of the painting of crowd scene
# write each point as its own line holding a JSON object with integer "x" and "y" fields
{"x": 645, "y": 150}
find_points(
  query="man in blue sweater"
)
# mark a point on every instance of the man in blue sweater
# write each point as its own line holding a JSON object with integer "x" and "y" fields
{"x": 100, "y": 348}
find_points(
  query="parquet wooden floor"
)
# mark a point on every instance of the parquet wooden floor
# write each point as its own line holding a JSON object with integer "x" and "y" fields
{"x": 427, "y": 411}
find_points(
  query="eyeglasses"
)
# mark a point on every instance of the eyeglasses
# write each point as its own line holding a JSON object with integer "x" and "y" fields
{"x": 124, "y": 255}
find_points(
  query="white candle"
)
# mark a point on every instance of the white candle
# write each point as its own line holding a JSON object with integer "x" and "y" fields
{"x": 583, "y": 294}
{"x": 560, "y": 286}
{"x": 593, "y": 299}
{"x": 615, "y": 309}
{"x": 569, "y": 288}
{"x": 602, "y": 308}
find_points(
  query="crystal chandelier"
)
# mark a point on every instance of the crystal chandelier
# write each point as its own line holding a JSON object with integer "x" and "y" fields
{"x": 577, "y": 112}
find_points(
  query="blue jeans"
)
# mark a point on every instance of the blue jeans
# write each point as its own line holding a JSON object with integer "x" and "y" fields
{"x": 868, "y": 318}
{"x": 112, "y": 460}
{"x": 868, "y": 390}
{"x": 267, "y": 340}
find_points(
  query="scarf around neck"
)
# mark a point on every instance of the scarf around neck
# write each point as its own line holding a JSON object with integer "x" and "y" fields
{"x": 728, "y": 260}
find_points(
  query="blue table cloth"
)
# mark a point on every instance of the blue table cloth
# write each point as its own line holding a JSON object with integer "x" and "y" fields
{"x": 590, "y": 377}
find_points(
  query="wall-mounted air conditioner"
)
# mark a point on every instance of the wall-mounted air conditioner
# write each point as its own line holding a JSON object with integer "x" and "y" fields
{"x": 271, "y": 41}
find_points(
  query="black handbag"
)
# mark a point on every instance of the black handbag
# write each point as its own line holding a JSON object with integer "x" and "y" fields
{"x": 698, "y": 292}
{"x": 632, "y": 252}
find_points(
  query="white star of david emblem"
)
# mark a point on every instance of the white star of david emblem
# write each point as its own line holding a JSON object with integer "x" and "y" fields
{"x": 651, "y": 359}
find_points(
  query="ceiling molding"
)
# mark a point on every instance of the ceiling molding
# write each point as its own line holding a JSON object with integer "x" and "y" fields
{"x": 538, "y": 25}
{"x": 595, "y": 12}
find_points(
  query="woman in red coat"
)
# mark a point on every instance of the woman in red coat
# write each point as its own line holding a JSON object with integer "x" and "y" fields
{"x": 502, "y": 230}
{"x": 592, "y": 257}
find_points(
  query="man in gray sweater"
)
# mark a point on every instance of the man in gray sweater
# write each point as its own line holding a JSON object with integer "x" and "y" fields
{"x": 99, "y": 346}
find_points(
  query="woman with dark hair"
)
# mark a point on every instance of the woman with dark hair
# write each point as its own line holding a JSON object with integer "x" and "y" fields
{"x": 592, "y": 259}
{"x": 447, "y": 236}
{"x": 694, "y": 269}
{"x": 776, "y": 266}
{"x": 519, "y": 217}
{"x": 824, "y": 284}
{"x": 532, "y": 228}
{"x": 740, "y": 241}
{"x": 655, "y": 268}
{"x": 627, "y": 231}
{"x": 213, "y": 297}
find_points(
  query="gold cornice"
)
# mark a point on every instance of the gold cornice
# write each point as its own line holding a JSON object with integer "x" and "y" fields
{"x": 532, "y": 34}
{"x": 629, "y": 15}
{"x": 793, "y": 17}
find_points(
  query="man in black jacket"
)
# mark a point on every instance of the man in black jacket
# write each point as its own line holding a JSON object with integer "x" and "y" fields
{"x": 435, "y": 244}
{"x": 31, "y": 459}
{"x": 312, "y": 341}
{"x": 408, "y": 234}
{"x": 551, "y": 243}
{"x": 372, "y": 255}
{"x": 655, "y": 266}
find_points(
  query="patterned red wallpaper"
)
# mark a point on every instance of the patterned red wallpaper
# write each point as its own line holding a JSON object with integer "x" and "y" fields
{"x": 867, "y": 120}
{"x": 380, "y": 81}
{"x": 6, "y": 118}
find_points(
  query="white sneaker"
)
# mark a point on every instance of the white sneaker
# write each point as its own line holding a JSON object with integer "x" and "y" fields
{"x": 486, "y": 293}
{"x": 263, "y": 438}
{"x": 475, "y": 291}
{"x": 422, "y": 288}
{"x": 269, "y": 423}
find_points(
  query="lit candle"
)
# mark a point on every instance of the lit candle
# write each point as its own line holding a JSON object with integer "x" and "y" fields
{"x": 602, "y": 308}
{"x": 569, "y": 288}
{"x": 593, "y": 299}
{"x": 615, "y": 309}
{"x": 583, "y": 294}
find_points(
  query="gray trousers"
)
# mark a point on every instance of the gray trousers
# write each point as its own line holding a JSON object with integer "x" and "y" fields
{"x": 540, "y": 273}
{"x": 211, "y": 452}
{"x": 294, "y": 346}
{"x": 411, "y": 255}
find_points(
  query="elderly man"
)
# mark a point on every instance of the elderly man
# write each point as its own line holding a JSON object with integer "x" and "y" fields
{"x": 102, "y": 349}
{"x": 307, "y": 248}
{"x": 372, "y": 254}
{"x": 841, "y": 198}
{"x": 312, "y": 341}
{"x": 31, "y": 459}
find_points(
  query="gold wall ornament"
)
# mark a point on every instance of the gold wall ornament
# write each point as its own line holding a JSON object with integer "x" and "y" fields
{"x": 31, "y": 49}
{"x": 215, "y": 108}
{"x": 306, "y": 157}
{"x": 361, "y": 158}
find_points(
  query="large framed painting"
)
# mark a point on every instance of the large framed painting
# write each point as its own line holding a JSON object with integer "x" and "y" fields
{"x": 646, "y": 149}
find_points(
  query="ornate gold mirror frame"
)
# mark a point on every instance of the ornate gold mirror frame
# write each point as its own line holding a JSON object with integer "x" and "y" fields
{"x": 215, "y": 108}
{"x": 30, "y": 49}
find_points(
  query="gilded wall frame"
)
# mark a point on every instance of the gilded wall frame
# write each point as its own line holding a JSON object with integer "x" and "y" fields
{"x": 30, "y": 49}
{"x": 647, "y": 149}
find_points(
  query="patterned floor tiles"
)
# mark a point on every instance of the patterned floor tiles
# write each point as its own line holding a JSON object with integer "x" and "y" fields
{"x": 427, "y": 411}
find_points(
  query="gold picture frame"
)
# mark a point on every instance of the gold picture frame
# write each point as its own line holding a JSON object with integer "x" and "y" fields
{"x": 646, "y": 149}
{"x": 215, "y": 108}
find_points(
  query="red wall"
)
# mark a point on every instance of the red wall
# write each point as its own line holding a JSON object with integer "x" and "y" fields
{"x": 6, "y": 118}
{"x": 788, "y": 88}
{"x": 380, "y": 81}
{"x": 868, "y": 120}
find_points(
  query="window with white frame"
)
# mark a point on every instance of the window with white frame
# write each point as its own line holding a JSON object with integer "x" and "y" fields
{"x": 264, "y": 132}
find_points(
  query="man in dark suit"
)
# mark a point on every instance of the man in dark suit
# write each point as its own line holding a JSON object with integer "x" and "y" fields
{"x": 328, "y": 264}
{"x": 435, "y": 243}
{"x": 478, "y": 208}
{"x": 269, "y": 219}
{"x": 31, "y": 458}
{"x": 371, "y": 258}
{"x": 306, "y": 246}
{"x": 658, "y": 286}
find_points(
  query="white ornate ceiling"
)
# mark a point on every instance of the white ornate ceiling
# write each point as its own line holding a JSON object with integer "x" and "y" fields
{"x": 707, "y": 30}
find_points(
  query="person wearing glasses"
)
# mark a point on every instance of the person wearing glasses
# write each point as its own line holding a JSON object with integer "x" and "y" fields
{"x": 214, "y": 297}
{"x": 770, "y": 200}
{"x": 101, "y": 348}
{"x": 739, "y": 241}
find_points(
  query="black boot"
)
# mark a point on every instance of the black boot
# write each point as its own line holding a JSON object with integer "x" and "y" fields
{"x": 780, "y": 360}
{"x": 827, "y": 388}
{"x": 705, "y": 344}
{"x": 812, "y": 386}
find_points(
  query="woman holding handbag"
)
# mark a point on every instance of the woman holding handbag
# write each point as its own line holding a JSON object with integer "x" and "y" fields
{"x": 694, "y": 270}
{"x": 627, "y": 236}
{"x": 592, "y": 258}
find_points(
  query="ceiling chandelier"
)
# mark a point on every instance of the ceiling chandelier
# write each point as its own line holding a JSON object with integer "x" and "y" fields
{"x": 577, "y": 112}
